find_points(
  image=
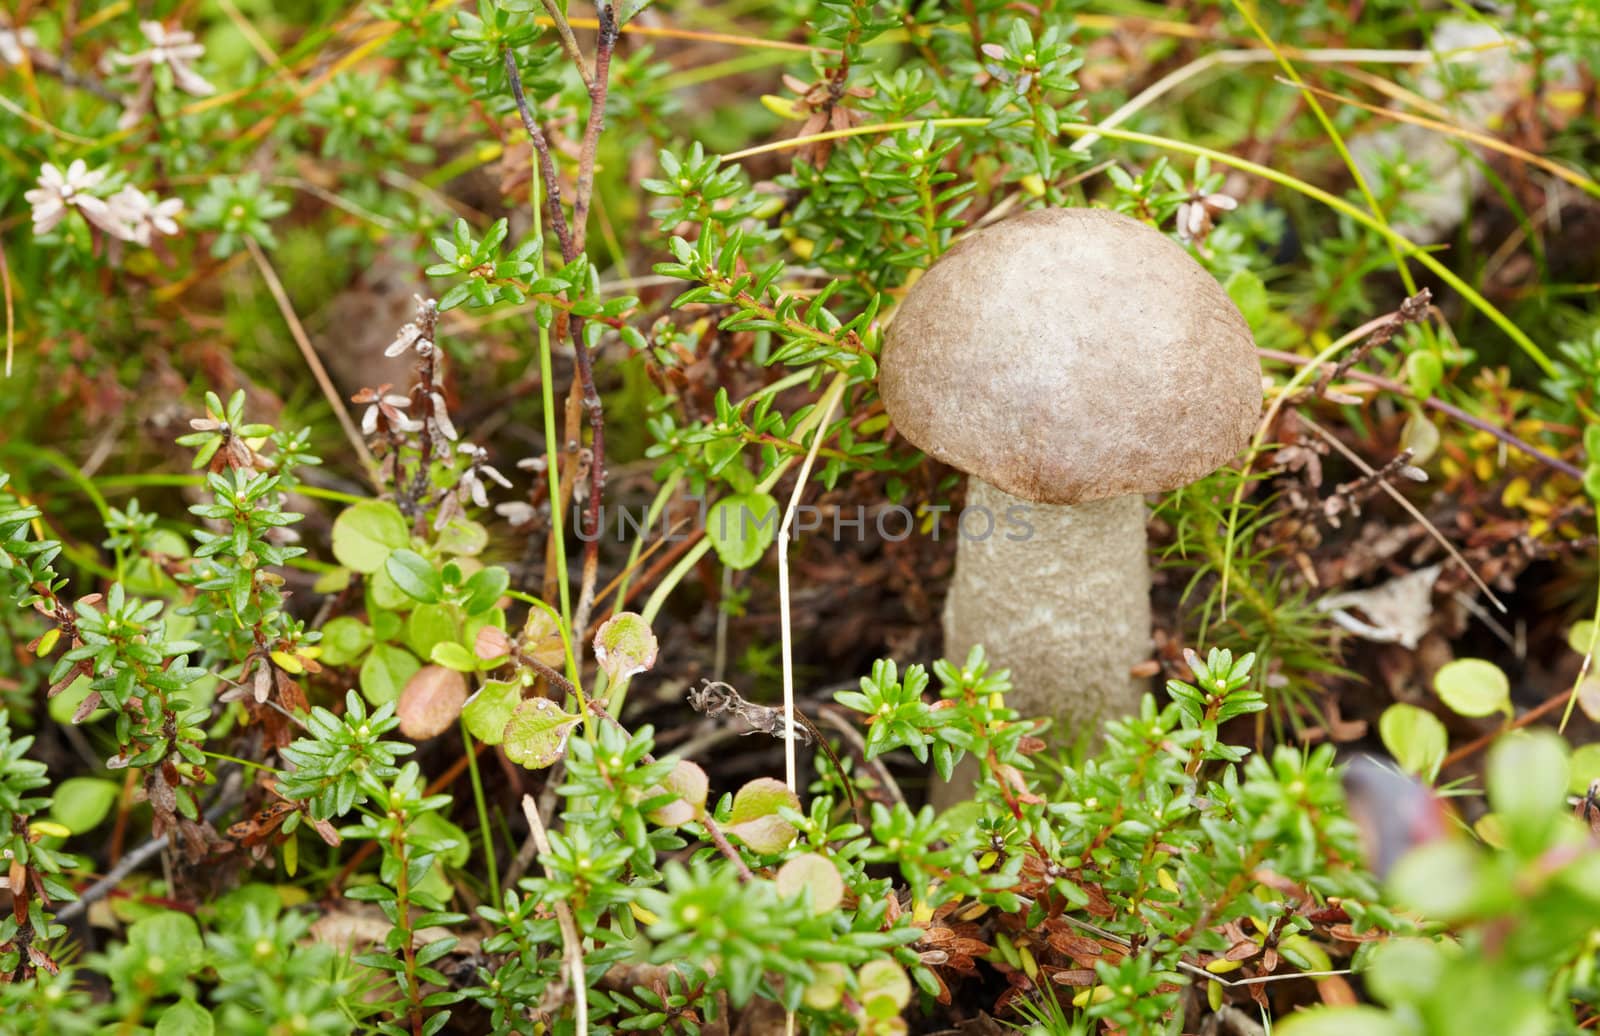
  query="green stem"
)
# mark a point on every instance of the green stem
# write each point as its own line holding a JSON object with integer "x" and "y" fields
{"x": 484, "y": 829}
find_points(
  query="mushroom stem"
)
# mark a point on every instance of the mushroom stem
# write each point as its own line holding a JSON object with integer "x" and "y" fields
{"x": 1060, "y": 595}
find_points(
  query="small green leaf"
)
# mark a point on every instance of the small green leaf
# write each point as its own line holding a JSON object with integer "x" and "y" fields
{"x": 883, "y": 979}
{"x": 1473, "y": 687}
{"x": 344, "y": 639}
{"x": 1424, "y": 371}
{"x": 454, "y": 656}
{"x": 624, "y": 646}
{"x": 430, "y": 625}
{"x": 815, "y": 872}
{"x": 688, "y": 782}
{"x": 385, "y": 673}
{"x": 1341, "y": 1021}
{"x": 1583, "y": 769}
{"x": 82, "y": 802}
{"x": 1527, "y": 782}
{"x": 537, "y": 733}
{"x": 489, "y": 710}
{"x": 755, "y": 820}
{"x": 415, "y": 575}
{"x": 366, "y": 532}
{"x": 185, "y": 1018}
{"x": 462, "y": 537}
{"x": 1416, "y": 739}
{"x": 741, "y": 527}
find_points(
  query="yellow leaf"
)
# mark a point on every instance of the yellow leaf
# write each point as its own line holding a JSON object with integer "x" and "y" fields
{"x": 287, "y": 662}
{"x": 49, "y": 828}
{"x": 47, "y": 643}
{"x": 783, "y": 107}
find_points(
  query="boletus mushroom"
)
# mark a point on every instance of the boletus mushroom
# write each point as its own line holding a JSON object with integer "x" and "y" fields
{"x": 1070, "y": 361}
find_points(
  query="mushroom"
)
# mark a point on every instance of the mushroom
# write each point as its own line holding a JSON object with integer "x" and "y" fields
{"x": 1070, "y": 361}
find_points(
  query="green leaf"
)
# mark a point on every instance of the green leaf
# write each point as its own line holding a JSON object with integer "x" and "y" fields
{"x": 171, "y": 947}
{"x": 1473, "y": 687}
{"x": 815, "y": 872}
{"x": 344, "y": 639}
{"x": 624, "y": 646}
{"x": 688, "y": 782}
{"x": 1583, "y": 769}
{"x": 489, "y": 710}
{"x": 462, "y": 537}
{"x": 537, "y": 733}
{"x": 1527, "y": 783}
{"x": 366, "y": 532}
{"x": 454, "y": 656}
{"x": 1404, "y": 970}
{"x": 1444, "y": 881}
{"x": 1416, "y": 739}
{"x": 185, "y": 1018}
{"x": 82, "y": 802}
{"x": 1424, "y": 371}
{"x": 755, "y": 820}
{"x": 385, "y": 673}
{"x": 415, "y": 575}
{"x": 741, "y": 527}
{"x": 1341, "y": 1021}
{"x": 430, "y": 625}
{"x": 883, "y": 979}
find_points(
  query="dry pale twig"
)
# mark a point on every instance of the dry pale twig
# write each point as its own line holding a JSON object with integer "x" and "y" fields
{"x": 571, "y": 946}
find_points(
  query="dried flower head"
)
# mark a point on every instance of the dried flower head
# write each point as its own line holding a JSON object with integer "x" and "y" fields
{"x": 15, "y": 43}
{"x": 1197, "y": 217}
{"x": 478, "y": 469}
{"x": 385, "y": 410}
{"x": 174, "y": 48}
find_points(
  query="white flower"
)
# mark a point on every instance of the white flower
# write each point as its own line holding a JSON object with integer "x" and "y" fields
{"x": 14, "y": 43}
{"x": 57, "y": 192}
{"x": 144, "y": 215}
{"x": 175, "y": 49}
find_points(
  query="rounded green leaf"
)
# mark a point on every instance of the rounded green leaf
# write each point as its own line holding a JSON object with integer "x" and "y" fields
{"x": 741, "y": 527}
{"x": 537, "y": 733}
{"x": 1581, "y": 635}
{"x": 344, "y": 639}
{"x": 185, "y": 1018}
{"x": 755, "y": 820}
{"x": 462, "y": 536}
{"x": 386, "y": 672}
{"x": 688, "y": 783}
{"x": 1424, "y": 370}
{"x": 366, "y": 532}
{"x": 1583, "y": 769}
{"x": 815, "y": 872}
{"x": 1473, "y": 687}
{"x": 883, "y": 979}
{"x": 82, "y": 802}
{"x": 1341, "y": 1021}
{"x": 1405, "y": 970}
{"x": 431, "y": 624}
{"x": 454, "y": 656}
{"x": 1527, "y": 782}
{"x": 1416, "y": 739}
{"x": 488, "y": 711}
{"x": 624, "y": 646}
{"x": 414, "y": 575}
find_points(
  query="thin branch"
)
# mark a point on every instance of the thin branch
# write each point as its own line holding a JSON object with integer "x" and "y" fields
{"x": 313, "y": 361}
{"x": 1449, "y": 410}
{"x": 1412, "y": 311}
{"x": 547, "y": 165}
{"x": 1410, "y": 508}
{"x": 571, "y": 945}
{"x": 569, "y": 42}
{"x": 599, "y": 86}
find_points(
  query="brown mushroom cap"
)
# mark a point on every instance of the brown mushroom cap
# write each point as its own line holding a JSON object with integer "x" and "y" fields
{"x": 1067, "y": 355}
